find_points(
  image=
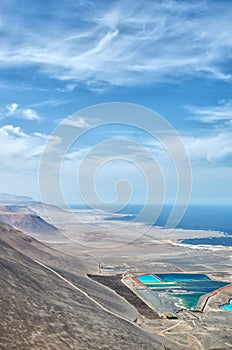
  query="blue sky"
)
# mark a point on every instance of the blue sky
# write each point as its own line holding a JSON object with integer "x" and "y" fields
{"x": 173, "y": 57}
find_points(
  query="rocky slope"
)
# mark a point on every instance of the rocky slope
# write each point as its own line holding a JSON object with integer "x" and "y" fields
{"x": 40, "y": 311}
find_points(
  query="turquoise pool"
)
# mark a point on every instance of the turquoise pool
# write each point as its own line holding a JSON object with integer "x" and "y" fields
{"x": 184, "y": 289}
{"x": 147, "y": 279}
{"x": 183, "y": 277}
{"x": 187, "y": 300}
{"x": 202, "y": 286}
{"x": 162, "y": 286}
{"x": 228, "y": 306}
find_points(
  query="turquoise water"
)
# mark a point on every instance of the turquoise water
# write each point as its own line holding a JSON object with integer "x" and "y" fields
{"x": 183, "y": 277}
{"x": 228, "y": 306}
{"x": 203, "y": 286}
{"x": 193, "y": 286}
{"x": 188, "y": 300}
{"x": 163, "y": 286}
{"x": 147, "y": 278}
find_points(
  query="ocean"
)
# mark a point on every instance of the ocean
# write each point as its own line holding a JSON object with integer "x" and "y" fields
{"x": 196, "y": 217}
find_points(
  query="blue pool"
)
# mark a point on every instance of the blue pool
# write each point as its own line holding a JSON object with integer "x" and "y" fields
{"x": 227, "y": 306}
{"x": 183, "y": 277}
{"x": 184, "y": 289}
{"x": 187, "y": 300}
{"x": 147, "y": 278}
{"x": 203, "y": 286}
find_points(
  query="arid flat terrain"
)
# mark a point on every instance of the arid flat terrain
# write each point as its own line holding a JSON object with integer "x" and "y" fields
{"x": 51, "y": 303}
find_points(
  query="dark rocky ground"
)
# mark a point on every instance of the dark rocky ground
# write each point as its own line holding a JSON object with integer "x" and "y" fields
{"x": 114, "y": 282}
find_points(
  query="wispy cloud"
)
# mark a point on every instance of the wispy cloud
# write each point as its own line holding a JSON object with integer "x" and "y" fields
{"x": 211, "y": 148}
{"x": 67, "y": 88}
{"x": 213, "y": 145}
{"x": 122, "y": 42}
{"x": 48, "y": 103}
{"x": 220, "y": 113}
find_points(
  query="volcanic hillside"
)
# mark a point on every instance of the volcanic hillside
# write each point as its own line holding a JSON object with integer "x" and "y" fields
{"x": 41, "y": 311}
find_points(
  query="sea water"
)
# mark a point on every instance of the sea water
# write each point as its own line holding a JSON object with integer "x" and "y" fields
{"x": 196, "y": 217}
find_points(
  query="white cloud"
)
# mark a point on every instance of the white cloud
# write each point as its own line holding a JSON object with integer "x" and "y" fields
{"x": 10, "y": 130}
{"x": 77, "y": 122}
{"x": 30, "y": 114}
{"x": 12, "y": 108}
{"x": 126, "y": 42}
{"x": 18, "y": 148}
{"x": 213, "y": 149}
{"x": 19, "y": 158}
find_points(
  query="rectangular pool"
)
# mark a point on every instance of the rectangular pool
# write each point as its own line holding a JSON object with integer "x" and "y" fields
{"x": 183, "y": 277}
{"x": 147, "y": 279}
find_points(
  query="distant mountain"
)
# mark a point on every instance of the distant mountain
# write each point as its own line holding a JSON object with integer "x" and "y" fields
{"x": 6, "y": 198}
{"x": 27, "y": 222}
{"x": 24, "y": 219}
